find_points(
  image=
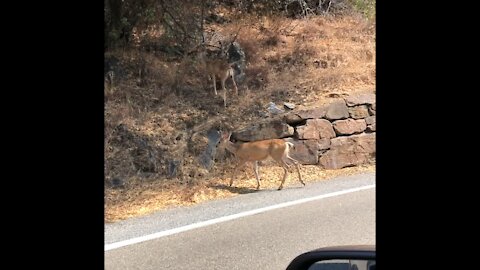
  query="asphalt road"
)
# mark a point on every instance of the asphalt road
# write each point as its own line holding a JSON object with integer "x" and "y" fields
{"x": 261, "y": 230}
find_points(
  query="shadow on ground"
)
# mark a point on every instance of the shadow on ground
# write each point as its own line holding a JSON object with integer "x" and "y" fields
{"x": 244, "y": 190}
{"x": 233, "y": 189}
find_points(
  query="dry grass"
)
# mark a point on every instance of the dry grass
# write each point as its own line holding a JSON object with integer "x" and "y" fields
{"x": 147, "y": 198}
{"x": 345, "y": 48}
{"x": 306, "y": 62}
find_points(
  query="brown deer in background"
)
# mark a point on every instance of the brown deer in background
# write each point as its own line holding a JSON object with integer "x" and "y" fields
{"x": 256, "y": 151}
{"x": 219, "y": 67}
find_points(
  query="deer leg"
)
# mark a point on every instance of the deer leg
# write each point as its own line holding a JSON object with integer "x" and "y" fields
{"x": 225, "y": 99}
{"x": 284, "y": 166}
{"x": 298, "y": 169}
{"x": 214, "y": 84}
{"x": 233, "y": 80}
{"x": 240, "y": 165}
{"x": 224, "y": 93}
{"x": 256, "y": 174}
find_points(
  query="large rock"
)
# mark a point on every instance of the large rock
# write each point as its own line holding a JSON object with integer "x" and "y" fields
{"x": 324, "y": 144}
{"x": 307, "y": 151}
{"x": 337, "y": 110}
{"x": 268, "y": 130}
{"x": 206, "y": 158}
{"x": 349, "y": 126}
{"x": 292, "y": 119}
{"x": 371, "y": 128}
{"x": 371, "y": 124}
{"x": 315, "y": 129}
{"x": 360, "y": 99}
{"x": 349, "y": 151}
{"x": 358, "y": 112}
{"x": 370, "y": 120}
{"x": 296, "y": 117}
{"x": 372, "y": 109}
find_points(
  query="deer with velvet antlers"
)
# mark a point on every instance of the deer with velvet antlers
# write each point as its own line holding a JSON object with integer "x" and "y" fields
{"x": 256, "y": 151}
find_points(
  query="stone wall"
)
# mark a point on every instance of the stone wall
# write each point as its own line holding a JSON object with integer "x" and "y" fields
{"x": 337, "y": 135}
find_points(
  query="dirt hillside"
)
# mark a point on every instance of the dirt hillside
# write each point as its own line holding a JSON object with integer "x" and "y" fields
{"x": 158, "y": 110}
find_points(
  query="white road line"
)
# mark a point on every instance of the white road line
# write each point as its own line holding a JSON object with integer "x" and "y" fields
{"x": 227, "y": 218}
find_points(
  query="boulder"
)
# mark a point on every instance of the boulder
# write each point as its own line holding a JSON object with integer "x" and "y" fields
{"x": 349, "y": 151}
{"x": 307, "y": 151}
{"x": 315, "y": 129}
{"x": 360, "y": 99}
{"x": 349, "y": 126}
{"x": 358, "y": 112}
{"x": 267, "y": 130}
{"x": 337, "y": 110}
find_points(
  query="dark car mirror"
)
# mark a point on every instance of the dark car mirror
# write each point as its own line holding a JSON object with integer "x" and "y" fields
{"x": 336, "y": 258}
{"x": 343, "y": 265}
